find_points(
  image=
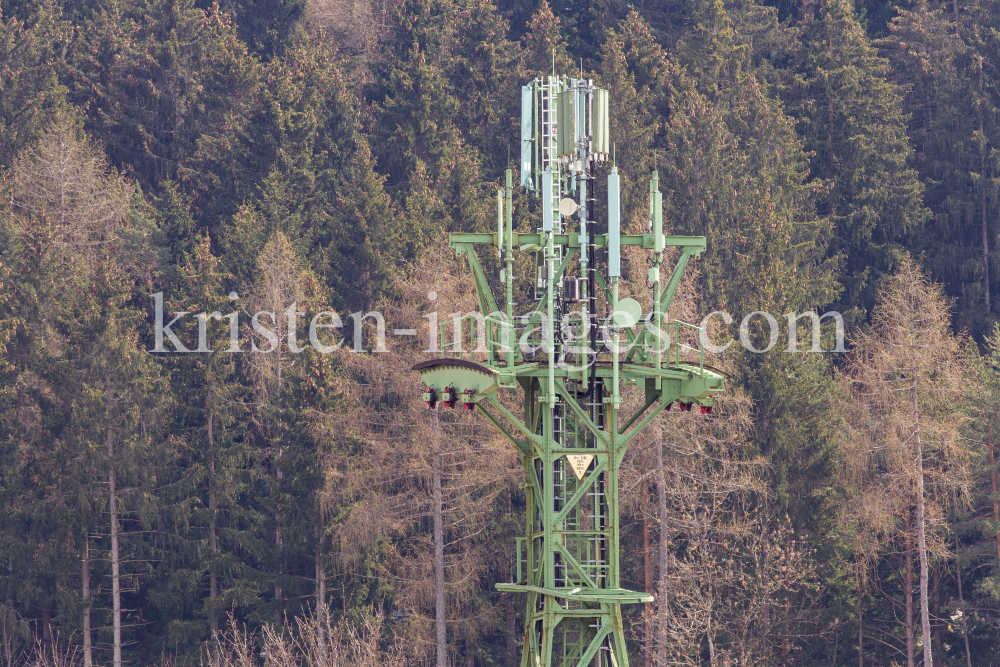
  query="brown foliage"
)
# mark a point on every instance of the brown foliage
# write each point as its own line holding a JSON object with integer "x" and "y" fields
{"x": 64, "y": 178}
{"x": 312, "y": 641}
{"x": 381, "y": 484}
{"x": 905, "y": 376}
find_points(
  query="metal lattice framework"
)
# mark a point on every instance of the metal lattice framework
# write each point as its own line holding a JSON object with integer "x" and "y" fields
{"x": 570, "y": 361}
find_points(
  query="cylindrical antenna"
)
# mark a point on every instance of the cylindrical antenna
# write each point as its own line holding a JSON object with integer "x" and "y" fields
{"x": 509, "y": 236}
{"x": 614, "y": 224}
{"x": 657, "y": 213}
{"x": 547, "y": 200}
{"x": 527, "y": 128}
{"x": 500, "y": 220}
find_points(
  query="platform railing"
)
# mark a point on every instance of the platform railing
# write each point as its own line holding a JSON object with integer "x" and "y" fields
{"x": 676, "y": 344}
{"x": 493, "y": 336}
{"x": 520, "y": 558}
{"x": 478, "y": 334}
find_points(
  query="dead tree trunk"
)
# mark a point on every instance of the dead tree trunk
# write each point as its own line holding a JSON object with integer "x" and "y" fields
{"x": 908, "y": 588}
{"x": 961, "y": 602}
{"x": 213, "y": 582}
{"x": 861, "y": 628}
{"x": 982, "y": 201}
{"x": 280, "y": 569}
{"x": 116, "y": 600}
{"x": 993, "y": 477}
{"x": 925, "y": 621}
{"x": 322, "y": 612}
{"x": 438, "y": 511}
{"x": 320, "y": 572}
{"x": 88, "y": 651}
{"x": 510, "y": 619}
{"x": 661, "y": 597}
{"x": 647, "y": 567}
{"x": 993, "y": 464}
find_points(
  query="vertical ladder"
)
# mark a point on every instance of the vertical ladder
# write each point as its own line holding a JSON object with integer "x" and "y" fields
{"x": 548, "y": 91}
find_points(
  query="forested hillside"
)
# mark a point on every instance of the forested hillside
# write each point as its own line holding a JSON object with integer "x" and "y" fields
{"x": 161, "y": 159}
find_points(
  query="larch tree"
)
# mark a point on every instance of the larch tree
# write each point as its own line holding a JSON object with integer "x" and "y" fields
{"x": 441, "y": 476}
{"x": 904, "y": 376}
{"x": 64, "y": 177}
{"x": 730, "y": 578}
{"x": 281, "y": 288}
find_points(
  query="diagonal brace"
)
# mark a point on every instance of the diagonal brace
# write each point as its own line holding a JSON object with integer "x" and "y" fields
{"x": 624, "y": 440}
{"x": 580, "y": 492}
{"x": 638, "y": 413}
{"x": 575, "y": 564}
{"x": 595, "y": 644}
{"x": 583, "y": 416}
{"x": 522, "y": 447}
{"x": 532, "y": 438}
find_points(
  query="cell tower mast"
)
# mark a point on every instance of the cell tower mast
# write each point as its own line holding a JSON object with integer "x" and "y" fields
{"x": 570, "y": 353}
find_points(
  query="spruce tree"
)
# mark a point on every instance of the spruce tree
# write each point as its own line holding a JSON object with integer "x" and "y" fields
{"x": 954, "y": 114}
{"x": 31, "y": 48}
{"x": 735, "y": 171}
{"x": 153, "y": 77}
{"x": 851, "y": 119}
{"x": 298, "y": 162}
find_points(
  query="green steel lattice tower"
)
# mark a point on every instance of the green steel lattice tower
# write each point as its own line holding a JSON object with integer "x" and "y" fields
{"x": 570, "y": 352}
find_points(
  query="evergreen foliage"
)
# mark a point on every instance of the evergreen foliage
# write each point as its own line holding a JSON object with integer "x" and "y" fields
{"x": 206, "y": 161}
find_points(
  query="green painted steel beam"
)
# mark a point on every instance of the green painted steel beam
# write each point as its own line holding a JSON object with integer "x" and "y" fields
{"x": 647, "y": 241}
{"x": 578, "y": 594}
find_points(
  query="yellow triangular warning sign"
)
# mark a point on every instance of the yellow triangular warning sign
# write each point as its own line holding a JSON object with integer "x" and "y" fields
{"x": 579, "y": 463}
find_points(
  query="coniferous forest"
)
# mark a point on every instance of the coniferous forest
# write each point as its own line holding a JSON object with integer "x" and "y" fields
{"x": 185, "y": 160}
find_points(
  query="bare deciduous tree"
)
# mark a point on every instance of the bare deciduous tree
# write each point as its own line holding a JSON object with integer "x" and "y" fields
{"x": 904, "y": 377}
{"x": 409, "y": 486}
{"x": 729, "y": 581}
{"x": 314, "y": 642}
{"x": 351, "y": 23}
{"x": 64, "y": 177}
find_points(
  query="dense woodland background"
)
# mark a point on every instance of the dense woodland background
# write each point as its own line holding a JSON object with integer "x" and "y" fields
{"x": 185, "y": 509}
